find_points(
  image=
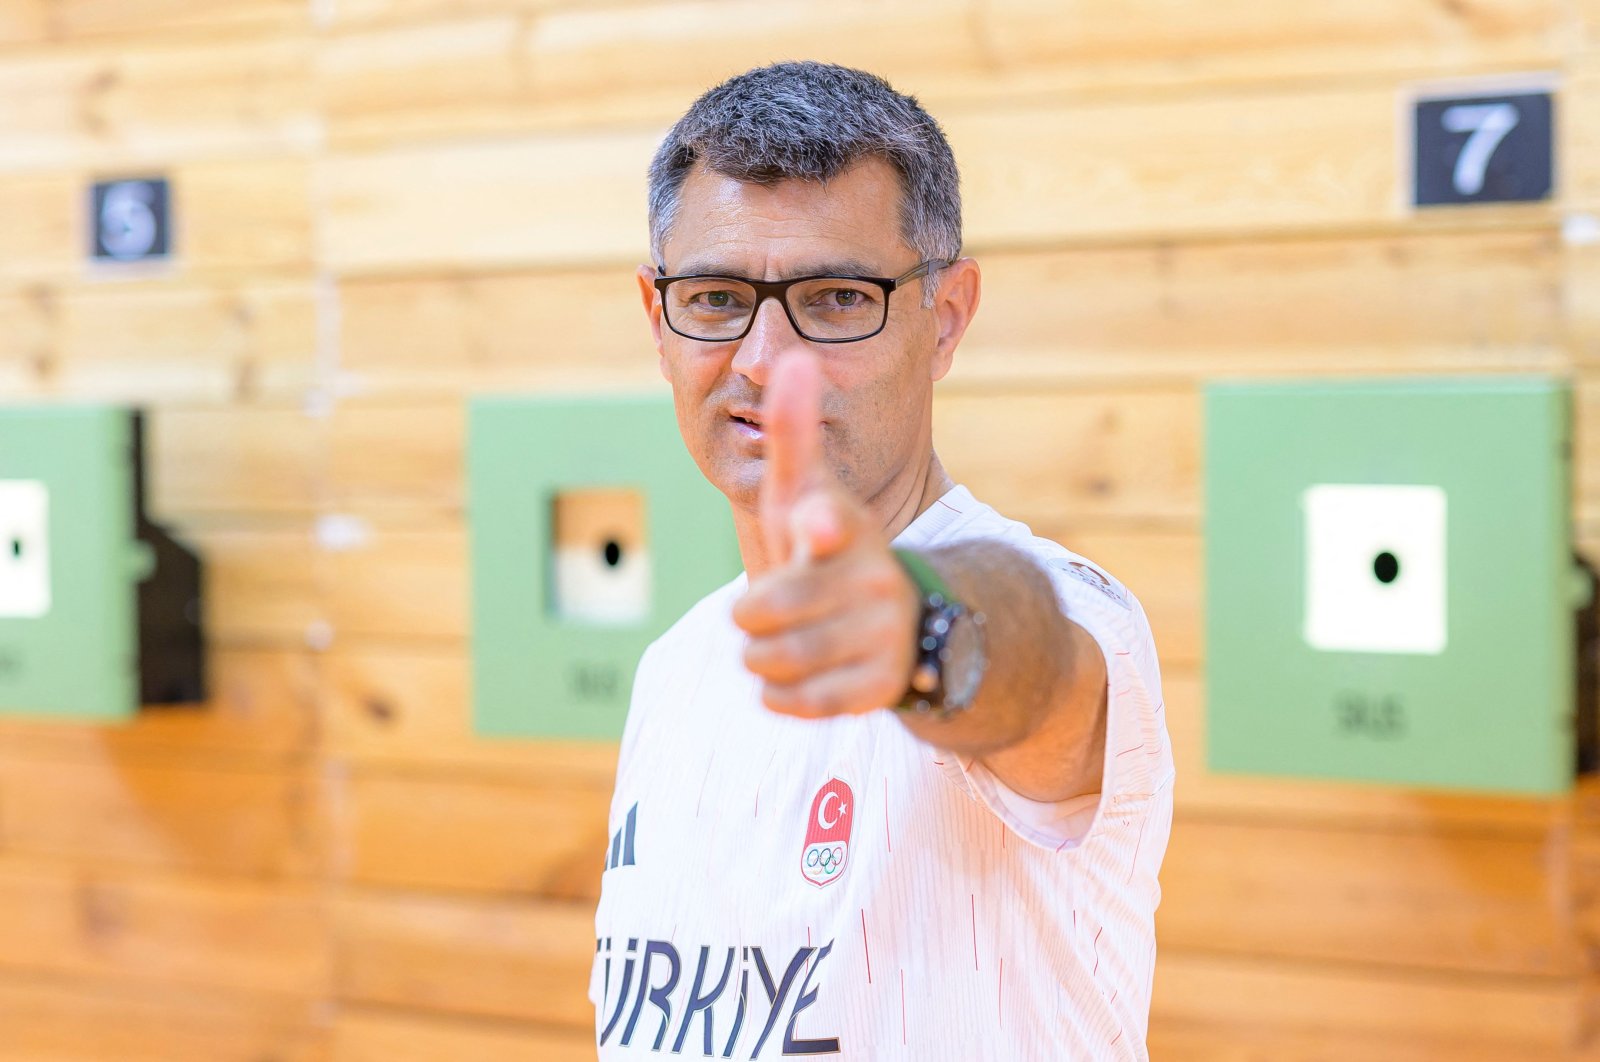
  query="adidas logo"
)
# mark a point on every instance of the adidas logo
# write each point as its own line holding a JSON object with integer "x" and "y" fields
{"x": 621, "y": 854}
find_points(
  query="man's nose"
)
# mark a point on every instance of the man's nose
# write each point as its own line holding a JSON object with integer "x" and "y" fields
{"x": 769, "y": 336}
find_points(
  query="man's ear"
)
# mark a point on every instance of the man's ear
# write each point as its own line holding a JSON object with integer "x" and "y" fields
{"x": 652, "y": 310}
{"x": 960, "y": 288}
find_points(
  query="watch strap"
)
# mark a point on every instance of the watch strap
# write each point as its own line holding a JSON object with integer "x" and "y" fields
{"x": 925, "y": 690}
{"x": 923, "y": 575}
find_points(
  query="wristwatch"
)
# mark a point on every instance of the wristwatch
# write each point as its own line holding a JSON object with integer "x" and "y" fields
{"x": 951, "y": 655}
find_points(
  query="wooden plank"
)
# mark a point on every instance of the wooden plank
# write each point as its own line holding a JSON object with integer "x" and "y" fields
{"x": 909, "y": 43}
{"x": 1579, "y": 140}
{"x": 398, "y": 461}
{"x": 364, "y": 1034}
{"x": 139, "y": 929}
{"x": 1158, "y": 41}
{"x": 24, "y": 20}
{"x": 461, "y": 77}
{"x": 489, "y": 204}
{"x": 1066, "y": 458}
{"x": 517, "y": 959}
{"x": 1255, "y": 997}
{"x": 260, "y": 822}
{"x": 581, "y": 65}
{"x": 1581, "y": 307}
{"x": 45, "y": 231}
{"x": 563, "y": 330}
{"x": 237, "y": 217}
{"x": 409, "y": 709}
{"x": 482, "y": 835}
{"x": 25, "y": 346}
{"x": 348, "y": 14}
{"x": 1413, "y": 900}
{"x": 263, "y": 708}
{"x": 63, "y": 19}
{"x": 71, "y": 1020}
{"x": 193, "y": 343}
{"x": 258, "y": 460}
{"x": 406, "y": 585}
{"x": 1202, "y": 794}
{"x": 248, "y": 216}
{"x": 1412, "y": 303}
{"x": 116, "y": 106}
{"x": 263, "y": 585}
{"x": 1293, "y": 161}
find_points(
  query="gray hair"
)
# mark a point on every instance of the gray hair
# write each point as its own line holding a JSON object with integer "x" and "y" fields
{"x": 811, "y": 121}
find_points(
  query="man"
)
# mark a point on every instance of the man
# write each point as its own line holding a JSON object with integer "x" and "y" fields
{"x": 903, "y": 789}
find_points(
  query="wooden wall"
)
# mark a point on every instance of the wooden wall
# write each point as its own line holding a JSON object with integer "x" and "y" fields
{"x": 387, "y": 205}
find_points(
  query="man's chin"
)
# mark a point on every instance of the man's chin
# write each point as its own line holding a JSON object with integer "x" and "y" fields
{"x": 737, "y": 476}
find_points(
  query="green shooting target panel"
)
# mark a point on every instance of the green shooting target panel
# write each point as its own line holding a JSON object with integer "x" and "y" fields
{"x": 99, "y": 608}
{"x": 592, "y": 531}
{"x": 1390, "y": 586}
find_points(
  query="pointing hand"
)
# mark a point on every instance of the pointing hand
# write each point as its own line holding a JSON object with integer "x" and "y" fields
{"x": 832, "y": 621}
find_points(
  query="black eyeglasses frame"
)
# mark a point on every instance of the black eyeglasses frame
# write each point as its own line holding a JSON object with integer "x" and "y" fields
{"x": 779, "y": 289}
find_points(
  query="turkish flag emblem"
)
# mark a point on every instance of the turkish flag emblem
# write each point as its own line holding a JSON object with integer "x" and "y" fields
{"x": 827, "y": 845}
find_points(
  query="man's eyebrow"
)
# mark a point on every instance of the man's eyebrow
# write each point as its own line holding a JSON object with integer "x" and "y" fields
{"x": 846, "y": 267}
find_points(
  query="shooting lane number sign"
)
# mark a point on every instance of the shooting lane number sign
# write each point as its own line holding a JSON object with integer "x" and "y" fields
{"x": 131, "y": 220}
{"x": 1494, "y": 146}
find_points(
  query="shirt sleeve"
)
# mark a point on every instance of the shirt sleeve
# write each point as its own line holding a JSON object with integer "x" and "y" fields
{"x": 1138, "y": 756}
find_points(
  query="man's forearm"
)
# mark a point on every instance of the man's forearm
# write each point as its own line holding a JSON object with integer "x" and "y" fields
{"x": 1038, "y": 721}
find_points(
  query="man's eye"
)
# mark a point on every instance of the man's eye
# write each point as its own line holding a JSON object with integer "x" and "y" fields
{"x": 716, "y": 300}
{"x": 843, "y": 298}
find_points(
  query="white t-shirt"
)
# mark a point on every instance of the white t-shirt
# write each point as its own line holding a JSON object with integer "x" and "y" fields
{"x": 780, "y": 887}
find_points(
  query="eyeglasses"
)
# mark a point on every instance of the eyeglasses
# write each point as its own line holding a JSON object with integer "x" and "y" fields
{"x": 823, "y": 309}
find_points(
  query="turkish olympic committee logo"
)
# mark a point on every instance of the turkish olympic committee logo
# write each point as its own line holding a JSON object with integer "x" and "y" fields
{"x": 828, "y": 834}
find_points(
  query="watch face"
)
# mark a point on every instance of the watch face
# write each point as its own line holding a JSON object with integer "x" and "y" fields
{"x": 967, "y": 659}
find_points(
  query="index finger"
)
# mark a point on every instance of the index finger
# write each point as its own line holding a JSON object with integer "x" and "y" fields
{"x": 791, "y": 445}
{"x": 791, "y": 423}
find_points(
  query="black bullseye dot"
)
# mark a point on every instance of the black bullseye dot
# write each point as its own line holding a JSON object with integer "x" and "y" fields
{"x": 1386, "y": 566}
{"x": 612, "y": 552}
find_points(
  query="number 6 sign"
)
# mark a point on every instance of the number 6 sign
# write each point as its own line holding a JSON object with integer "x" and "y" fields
{"x": 1482, "y": 148}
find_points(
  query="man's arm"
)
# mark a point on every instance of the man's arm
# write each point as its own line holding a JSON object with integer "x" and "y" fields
{"x": 1039, "y": 719}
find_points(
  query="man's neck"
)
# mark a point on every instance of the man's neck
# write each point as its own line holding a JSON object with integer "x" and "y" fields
{"x": 901, "y": 501}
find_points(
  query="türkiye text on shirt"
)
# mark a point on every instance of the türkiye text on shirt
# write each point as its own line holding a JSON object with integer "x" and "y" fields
{"x": 721, "y": 1010}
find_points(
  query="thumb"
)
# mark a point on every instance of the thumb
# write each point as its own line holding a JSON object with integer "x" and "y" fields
{"x": 791, "y": 426}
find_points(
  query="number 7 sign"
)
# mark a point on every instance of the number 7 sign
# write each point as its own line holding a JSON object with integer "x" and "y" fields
{"x": 1483, "y": 148}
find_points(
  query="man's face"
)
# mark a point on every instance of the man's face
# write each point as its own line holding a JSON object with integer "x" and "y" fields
{"x": 876, "y": 392}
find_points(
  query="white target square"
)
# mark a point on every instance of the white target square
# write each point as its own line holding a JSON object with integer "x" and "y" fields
{"x": 1375, "y": 568}
{"x": 602, "y": 560}
{"x": 24, "y": 549}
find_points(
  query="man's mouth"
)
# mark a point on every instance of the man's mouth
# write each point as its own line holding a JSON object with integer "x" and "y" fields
{"x": 746, "y": 424}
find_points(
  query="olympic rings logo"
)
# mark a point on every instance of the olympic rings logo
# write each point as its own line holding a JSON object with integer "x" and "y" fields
{"x": 828, "y": 860}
